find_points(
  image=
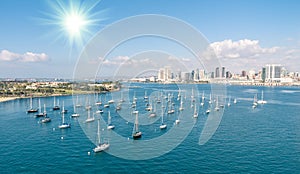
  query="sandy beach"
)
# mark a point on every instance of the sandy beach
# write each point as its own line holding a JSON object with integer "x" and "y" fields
{"x": 4, "y": 99}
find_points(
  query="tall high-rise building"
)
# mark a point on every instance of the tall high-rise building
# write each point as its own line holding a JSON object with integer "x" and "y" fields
{"x": 263, "y": 74}
{"x": 196, "y": 75}
{"x": 217, "y": 74}
{"x": 223, "y": 72}
{"x": 167, "y": 73}
{"x": 273, "y": 73}
{"x": 201, "y": 74}
{"x": 161, "y": 75}
{"x": 244, "y": 73}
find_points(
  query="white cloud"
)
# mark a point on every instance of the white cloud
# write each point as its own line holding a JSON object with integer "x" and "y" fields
{"x": 8, "y": 56}
{"x": 241, "y": 49}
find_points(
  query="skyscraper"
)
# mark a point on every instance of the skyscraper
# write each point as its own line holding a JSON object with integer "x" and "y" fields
{"x": 223, "y": 72}
{"x": 273, "y": 73}
{"x": 217, "y": 74}
{"x": 263, "y": 74}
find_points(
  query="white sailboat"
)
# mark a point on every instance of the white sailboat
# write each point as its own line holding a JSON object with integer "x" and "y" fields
{"x": 262, "y": 101}
{"x": 235, "y": 101}
{"x": 40, "y": 114}
{"x": 229, "y": 100}
{"x": 153, "y": 112}
{"x": 217, "y": 104}
{"x": 202, "y": 99}
{"x": 31, "y": 110}
{"x": 193, "y": 97}
{"x": 122, "y": 98}
{"x": 100, "y": 146}
{"x": 109, "y": 126}
{"x": 89, "y": 118}
{"x": 75, "y": 114}
{"x": 163, "y": 125}
{"x": 146, "y": 96}
{"x": 98, "y": 102}
{"x": 45, "y": 119}
{"x": 64, "y": 124}
{"x": 210, "y": 99}
{"x": 136, "y": 133}
{"x": 77, "y": 102}
{"x": 255, "y": 102}
{"x": 181, "y": 108}
{"x": 177, "y": 121}
{"x": 88, "y": 106}
{"x": 195, "y": 115}
{"x": 111, "y": 101}
{"x": 170, "y": 106}
{"x": 55, "y": 106}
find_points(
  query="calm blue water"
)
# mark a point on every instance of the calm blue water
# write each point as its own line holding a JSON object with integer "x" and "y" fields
{"x": 261, "y": 140}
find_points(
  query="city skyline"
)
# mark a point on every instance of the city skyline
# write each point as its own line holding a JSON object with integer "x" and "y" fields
{"x": 243, "y": 34}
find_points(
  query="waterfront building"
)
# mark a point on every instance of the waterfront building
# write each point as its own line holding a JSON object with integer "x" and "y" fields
{"x": 273, "y": 73}
{"x": 223, "y": 72}
{"x": 217, "y": 74}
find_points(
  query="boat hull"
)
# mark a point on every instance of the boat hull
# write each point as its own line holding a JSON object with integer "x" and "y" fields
{"x": 137, "y": 135}
{"x": 101, "y": 147}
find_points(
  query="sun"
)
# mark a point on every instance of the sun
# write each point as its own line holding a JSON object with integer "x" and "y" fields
{"x": 74, "y": 24}
{"x": 74, "y": 20}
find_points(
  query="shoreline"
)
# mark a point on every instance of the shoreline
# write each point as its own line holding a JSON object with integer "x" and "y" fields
{"x": 5, "y": 99}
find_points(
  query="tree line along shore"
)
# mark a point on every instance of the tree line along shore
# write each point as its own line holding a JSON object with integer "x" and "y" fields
{"x": 10, "y": 90}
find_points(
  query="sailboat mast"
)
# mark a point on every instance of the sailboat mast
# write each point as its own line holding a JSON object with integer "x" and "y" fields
{"x": 136, "y": 123}
{"x": 98, "y": 131}
{"x": 40, "y": 109}
{"x": 109, "y": 118}
{"x": 45, "y": 109}
{"x": 63, "y": 113}
{"x": 30, "y": 102}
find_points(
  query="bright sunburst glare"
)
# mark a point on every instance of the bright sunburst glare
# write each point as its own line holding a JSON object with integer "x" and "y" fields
{"x": 74, "y": 23}
{"x": 74, "y": 19}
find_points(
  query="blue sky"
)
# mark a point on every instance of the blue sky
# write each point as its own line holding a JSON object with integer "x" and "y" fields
{"x": 268, "y": 31}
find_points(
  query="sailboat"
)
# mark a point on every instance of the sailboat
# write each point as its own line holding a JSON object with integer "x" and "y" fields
{"x": 181, "y": 105}
{"x": 229, "y": 100}
{"x": 89, "y": 118}
{"x": 45, "y": 119}
{"x": 98, "y": 102}
{"x": 75, "y": 114}
{"x": 136, "y": 133}
{"x": 88, "y": 106}
{"x": 202, "y": 99}
{"x": 153, "y": 112}
{"x": 55, "y": 107}
{"x": 179, "y": 96}
{"x": 195, "y": 112}
{"x": 122, "y": 98}
{"x": 217, "y": 104}
{"x": 109, "y": 126}
{"x": 40, "y": 114}
{"x": 78, "y": 105}
{"x": 146, "y": 96}
{"x": 170, "y": 106}
{"x": 163, "y": 125}
{"x": 210, "y": 99}
{"x": 177, "y": 121}
{"x": 100, "y": 146}
{"x": 207, "y": 111}
{"x": 193, "y": 97}
{"x": 255, "y": 102}
{"x": 31, "y": 110}
{"x": 235, "y": 101}
{"x": 64, "y": 125}
{"x": 119, "y": 106}
{"x": 262, "y": 101}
